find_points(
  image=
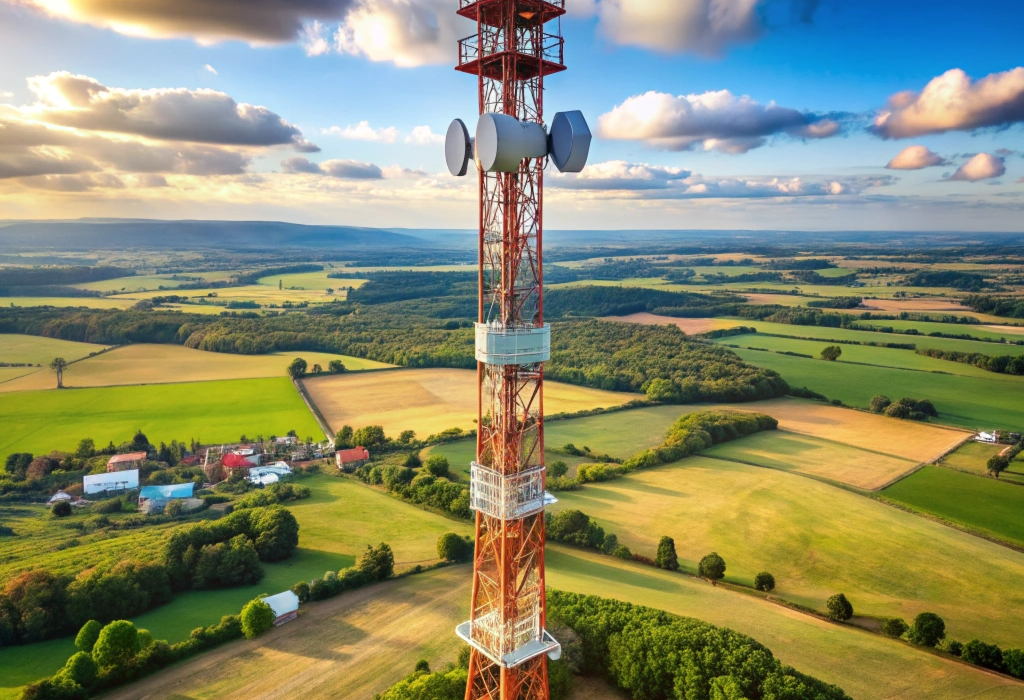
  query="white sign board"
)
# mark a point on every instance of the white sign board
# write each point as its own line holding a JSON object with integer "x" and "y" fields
{"x": 111, "y": 481}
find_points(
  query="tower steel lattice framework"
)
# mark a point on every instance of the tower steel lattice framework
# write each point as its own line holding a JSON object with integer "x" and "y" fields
{"x": 517, "y": 43}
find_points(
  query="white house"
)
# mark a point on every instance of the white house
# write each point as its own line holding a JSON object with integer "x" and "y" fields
{"x": 987, "y": 437}
{"x": 285, "y": 606}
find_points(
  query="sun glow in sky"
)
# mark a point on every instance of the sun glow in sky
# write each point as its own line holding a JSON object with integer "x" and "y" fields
{"x": 736, "y": 114}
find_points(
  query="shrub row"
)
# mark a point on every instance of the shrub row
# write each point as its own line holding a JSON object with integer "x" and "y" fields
{"x": 1002, "y": 364}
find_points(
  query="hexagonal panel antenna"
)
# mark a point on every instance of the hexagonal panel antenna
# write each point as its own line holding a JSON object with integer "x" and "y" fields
{"x": 458, "y": 148}
{"x": 570, "y": 141}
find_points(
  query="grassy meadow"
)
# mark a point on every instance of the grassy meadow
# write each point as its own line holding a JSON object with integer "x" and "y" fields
{"x": 41, "y": 421}
{"x": 429, "y": 400}
{"x": 817, "y": 540}
{"x": 17, "y": 348}
{"x": 979, "y": 502}
{"x": 162, "y": 364}
{"x": 966, "y": 402}
{"x": 858, "y": 354}
{"x": 71, "y": 302}
{"x": 973, "y": 457}
{"x": 865, "y": 665}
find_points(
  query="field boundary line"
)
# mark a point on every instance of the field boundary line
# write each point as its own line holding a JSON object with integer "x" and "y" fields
{"x": 317, "y": 416}
{"x": 922, "y": 465}
{"x": 815, "y": 477}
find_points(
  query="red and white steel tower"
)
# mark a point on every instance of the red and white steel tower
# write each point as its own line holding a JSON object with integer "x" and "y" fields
{"x": 517, "y": 44}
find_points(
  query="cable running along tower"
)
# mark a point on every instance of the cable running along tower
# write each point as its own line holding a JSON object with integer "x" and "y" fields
{"x": 517, "y": 44}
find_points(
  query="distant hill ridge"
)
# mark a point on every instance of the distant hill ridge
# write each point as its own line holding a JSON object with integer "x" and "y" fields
{"x": 85, "y": 234}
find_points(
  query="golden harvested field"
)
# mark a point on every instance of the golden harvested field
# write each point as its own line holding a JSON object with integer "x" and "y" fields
{"x": 165, "y": 364}
{"x": 9, "y": 373}
{"x": 346, "y": 648}
{"x": 687, "y": 325}
{"x": 36, "y": 349}
{"x": 806, "y": 454}
{"x": 261, "y": 293}
{"x": 918, "y": 442}
{"x": 428, "y": 400}
{"x": 1018, "y": 330}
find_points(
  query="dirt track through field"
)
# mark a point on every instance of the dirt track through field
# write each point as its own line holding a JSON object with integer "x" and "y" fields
{"x": 346, "y": 648}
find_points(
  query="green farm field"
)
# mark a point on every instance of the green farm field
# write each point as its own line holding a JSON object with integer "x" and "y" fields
{"x": 980, "y": 502}
{"x": 966, "y": 402}
{"x": 311, "y": 281}
{"x": 816, "y": 540}
{"x": 854, "y": 447}
{"x": 134, "y": 283}
{"x": 921, "y": 341}
{"x": 973, "y": 329}
{"x": 164, "y": 364}
{"x": 39, "y": 350}
{"x": 71, "y": 302}
{"x": 973, "y": 457}
{"x": 858, "y": 354}
{"x": 41, "y": 421}
{"x": 867, "y": 666}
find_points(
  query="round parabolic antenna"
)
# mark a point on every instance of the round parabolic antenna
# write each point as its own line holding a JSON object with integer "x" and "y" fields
{"x": 457, "y": 148}
{"x": 570, "y": 141}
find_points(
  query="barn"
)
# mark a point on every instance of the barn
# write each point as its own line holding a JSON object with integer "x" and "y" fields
{"x": 350, "y": 459}
{"x": 285, "y": 606}
{"x": 120, "y": 463}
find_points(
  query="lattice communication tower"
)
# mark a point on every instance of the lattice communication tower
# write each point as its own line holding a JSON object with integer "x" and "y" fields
{"x": 517, "y": 44}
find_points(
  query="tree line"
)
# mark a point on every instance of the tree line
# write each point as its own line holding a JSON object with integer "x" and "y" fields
{"x": 38, "y": 605}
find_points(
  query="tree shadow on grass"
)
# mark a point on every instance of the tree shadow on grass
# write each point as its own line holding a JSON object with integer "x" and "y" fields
{"x": 564, "y": 561}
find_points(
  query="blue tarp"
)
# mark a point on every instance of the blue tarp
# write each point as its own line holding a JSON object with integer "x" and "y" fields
{"x": 157, "y": 493}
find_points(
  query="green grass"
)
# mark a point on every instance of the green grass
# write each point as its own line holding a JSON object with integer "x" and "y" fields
{"x": 978, "y": 501}
{"x": 861, "y": 354}
{"x": 971, "y": 329}
{"x": 921, "y": 341}
{"x": 867, "y": 666}
{"x": 335, "y": 525}
{"x": 134, "y": 283}
{"x": 70, "y": 302}
{"x": 17, "y": 348}
{"x": 621, "y": 434}
{"x": 973, "y": 457}
{"x": 817, "y": 540}
{"x": 967, "y": 402}
{"x": 41, "y": 421}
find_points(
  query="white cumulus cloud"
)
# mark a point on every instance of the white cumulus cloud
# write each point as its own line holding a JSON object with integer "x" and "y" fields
{"x": 953, "y": 102}
{"x": 424, "y": 136}
{"x": 404, "y": 32}
{"x": 364, "y": 132}
{"x": 716, "y": 120}
{"x": 700, "y": 26}
{"x": 915, "y": 158}
{"x": 210, "y": 69}
{"x": 983, "y": 166}
{"x": 342, "y": 169}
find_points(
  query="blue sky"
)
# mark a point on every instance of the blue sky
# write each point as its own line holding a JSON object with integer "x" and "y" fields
{"x": 829, "y": 67}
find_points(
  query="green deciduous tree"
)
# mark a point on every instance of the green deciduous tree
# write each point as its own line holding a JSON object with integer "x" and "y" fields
{"x": 88, "y": 635}
{"x": 452, "y": 547}
{"x": 839, "y": 608}
{"x": 371, "y": 437}
{"x": 58, "y": 365}
{"x": 894, "y": 627}
{"x": 928, "y": 629}
{"x": 831, "y": 353}
{"x": 336, "y": 366}
{"x": 343, "y": 440}
{"x": 879, "y": 403}
{"x": 666, "y": 557}
{"x": 558, "y": 468}
{"x": 377, "y": 562}
{"x": 981, "y": 654}
{"x": 997, "y": 464}
{"x": 257, "y": 617}
{"x": 61, "y": 509}
{"x": 297, "y": 368}
{"x": 712, "y": 567}
{"x": 764, "y": 581}
{"x": 80, "y": 669}
{"x": 438, "y": 465}
{"x": 117, "y": 644}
